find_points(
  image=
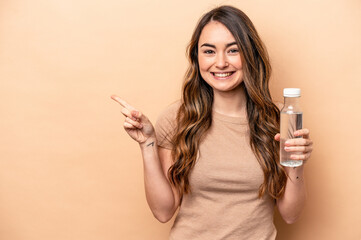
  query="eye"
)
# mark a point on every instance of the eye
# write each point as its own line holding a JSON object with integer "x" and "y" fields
{"x": 233, "y": 50}
{"x": 208, "y": 51}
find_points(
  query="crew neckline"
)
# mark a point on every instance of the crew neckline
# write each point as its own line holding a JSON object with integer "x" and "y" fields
{"x": 231, "y": 119}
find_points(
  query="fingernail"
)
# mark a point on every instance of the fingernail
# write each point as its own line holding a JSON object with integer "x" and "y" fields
{"x": 287, "y": 148}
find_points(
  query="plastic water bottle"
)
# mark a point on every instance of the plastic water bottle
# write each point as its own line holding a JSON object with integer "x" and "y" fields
{"x": 291, "y": 120}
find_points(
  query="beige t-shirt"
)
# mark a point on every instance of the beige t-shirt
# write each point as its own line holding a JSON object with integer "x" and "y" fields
{"x": 224, "y": 202}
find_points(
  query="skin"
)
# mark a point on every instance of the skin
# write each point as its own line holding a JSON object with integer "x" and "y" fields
{"x": 162, "y": 197}
{"x": 216, "y": 54}
{"x": 293, "y": 201}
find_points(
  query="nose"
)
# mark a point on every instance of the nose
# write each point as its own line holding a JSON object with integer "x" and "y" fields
{"x": 221, "y": 61}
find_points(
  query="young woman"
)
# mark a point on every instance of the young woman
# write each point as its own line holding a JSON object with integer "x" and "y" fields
{"x": 214, "y": 153}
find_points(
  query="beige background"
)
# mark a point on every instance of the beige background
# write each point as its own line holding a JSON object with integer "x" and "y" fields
{"x": 67, "y": 168}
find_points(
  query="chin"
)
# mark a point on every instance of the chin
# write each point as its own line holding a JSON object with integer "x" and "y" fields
{"x": 224, "y": 87}
{"x": 225, "y": 90}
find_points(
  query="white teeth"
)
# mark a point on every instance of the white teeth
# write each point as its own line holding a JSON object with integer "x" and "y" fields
{"x": 222, "y": 74}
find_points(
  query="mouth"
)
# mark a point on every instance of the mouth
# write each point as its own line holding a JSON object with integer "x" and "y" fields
{"x": 222, "y": 75}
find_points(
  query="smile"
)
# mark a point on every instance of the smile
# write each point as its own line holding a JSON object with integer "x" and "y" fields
{"x": 222, "y": 75}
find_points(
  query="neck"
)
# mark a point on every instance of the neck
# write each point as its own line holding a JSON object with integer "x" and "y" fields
{"x": 231, "y": 103}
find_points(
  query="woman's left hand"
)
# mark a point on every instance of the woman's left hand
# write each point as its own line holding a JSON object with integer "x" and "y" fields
{"x": 303, "y": 146}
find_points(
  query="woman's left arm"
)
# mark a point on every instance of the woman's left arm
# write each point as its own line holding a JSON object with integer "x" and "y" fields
{"x": 293, "y": 201}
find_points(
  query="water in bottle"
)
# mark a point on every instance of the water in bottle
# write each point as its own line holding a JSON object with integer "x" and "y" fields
{"x": 291, "y": 120}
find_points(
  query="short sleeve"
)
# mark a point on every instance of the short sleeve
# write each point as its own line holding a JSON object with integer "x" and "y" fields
{"x": 166, "y": 124}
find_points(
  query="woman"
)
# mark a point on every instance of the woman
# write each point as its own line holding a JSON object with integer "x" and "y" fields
{"x": 214, "y": 154}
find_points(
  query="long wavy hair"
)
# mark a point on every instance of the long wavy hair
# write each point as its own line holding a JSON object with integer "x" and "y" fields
{"x": 194, "y": 117}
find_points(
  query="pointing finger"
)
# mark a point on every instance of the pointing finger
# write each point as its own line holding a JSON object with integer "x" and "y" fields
{"x": 122, "y": 102}
{"x": 130, "y": 111}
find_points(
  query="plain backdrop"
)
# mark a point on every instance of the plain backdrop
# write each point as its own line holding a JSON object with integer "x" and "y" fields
{"x": 68, "y": 170}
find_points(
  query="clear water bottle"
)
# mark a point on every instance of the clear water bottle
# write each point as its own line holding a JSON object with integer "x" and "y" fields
{"x": 291, "y": 120}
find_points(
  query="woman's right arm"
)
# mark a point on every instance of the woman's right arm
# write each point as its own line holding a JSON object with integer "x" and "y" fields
{"x": 163, "y": 198}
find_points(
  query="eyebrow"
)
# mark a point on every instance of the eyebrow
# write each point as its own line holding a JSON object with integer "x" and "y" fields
{"x": 213, "y": 46}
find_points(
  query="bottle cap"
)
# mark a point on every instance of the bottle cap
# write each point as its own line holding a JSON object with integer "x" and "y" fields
{"x": 292, "y": 92}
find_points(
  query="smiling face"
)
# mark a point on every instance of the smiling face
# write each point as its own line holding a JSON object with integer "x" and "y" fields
{"x": 219, "y": 58}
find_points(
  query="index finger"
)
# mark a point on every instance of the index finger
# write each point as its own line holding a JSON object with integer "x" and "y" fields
{"x": 122, "y": 102}
{"x": 303, "y": 132}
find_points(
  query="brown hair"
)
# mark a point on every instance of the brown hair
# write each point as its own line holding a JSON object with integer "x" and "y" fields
{"x": 194, "y": 117}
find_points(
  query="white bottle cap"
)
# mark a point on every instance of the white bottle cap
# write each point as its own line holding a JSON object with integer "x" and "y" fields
{"x": 291, "y": 92}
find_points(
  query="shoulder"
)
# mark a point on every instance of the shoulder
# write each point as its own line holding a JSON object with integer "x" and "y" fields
{"x": 170, "y": 112}
{"x": 165, "y": 125}
{"x": 167, "y": 116}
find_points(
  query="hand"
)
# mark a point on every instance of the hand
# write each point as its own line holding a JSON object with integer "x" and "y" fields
{"x": 303, "y": 145}
{"x": 136, "y": 124}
